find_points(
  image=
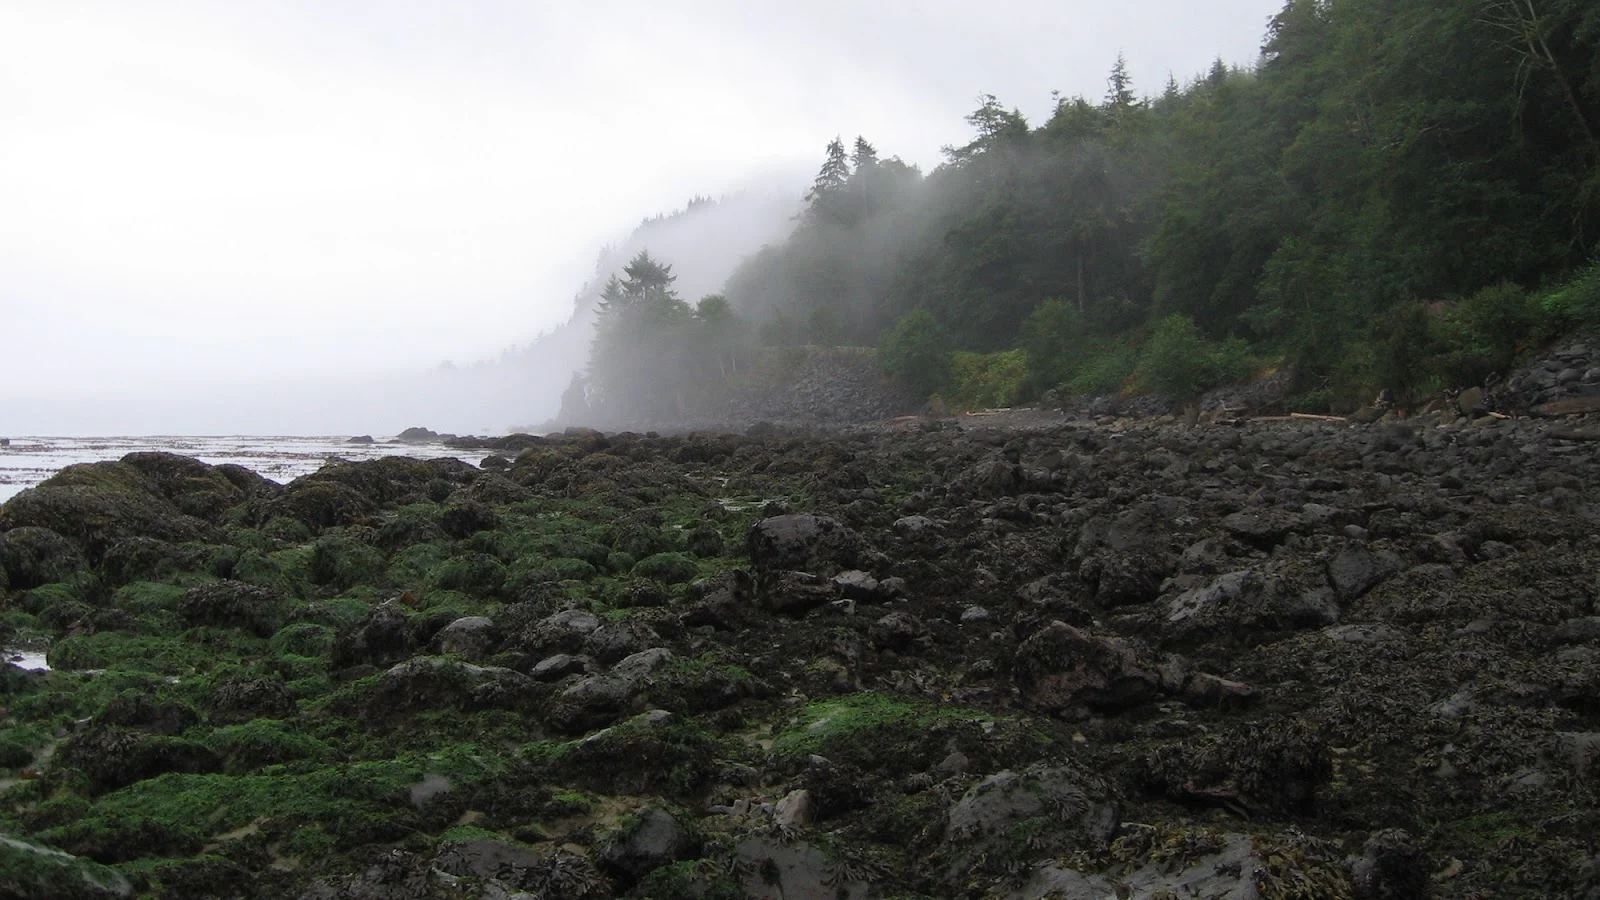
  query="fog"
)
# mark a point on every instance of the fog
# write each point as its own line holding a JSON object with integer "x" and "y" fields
{"x": 284, "y": 218}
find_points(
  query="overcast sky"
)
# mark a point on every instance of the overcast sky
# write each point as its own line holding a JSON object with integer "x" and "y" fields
{"x": 224, "y": 190}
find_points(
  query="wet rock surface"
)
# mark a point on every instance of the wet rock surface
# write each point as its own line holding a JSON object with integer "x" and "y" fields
{"x": 1015, "y": 657}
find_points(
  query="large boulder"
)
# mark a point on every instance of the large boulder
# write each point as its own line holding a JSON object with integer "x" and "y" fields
{"x": 30, "y": 557}
{"x": 234, "y": 604}
{"x": 983, "y": 821}
{"x": 803, "y": 542}
{"x": 1061, "y": 669}
{"x": 652, "y": 839}
{"x": 97, "y": 504}
{"x": 433, "y": 682}
{"x": 383, "y": 636}
{"x": 601, "y": 699}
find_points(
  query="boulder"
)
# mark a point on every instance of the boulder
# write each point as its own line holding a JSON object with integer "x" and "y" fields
{"x": 601, "y": 699}
{"x": 897, "y": 631}
{"x": 1355, "y": 570}
{"x": 245, "y": 699}
{"x": 97, "y": 504}
{"x": 1061, "y": 669}
{"x": 31, "y": 557}
{"x": 652, "y": 839}
{"x": 234, "y": 604}
{"x": 794, "y": 593}
{"x": 1079, "y": 813}
{"x": 432, "y": 682}
{"x": 1263, "y": 528}
{"x": 803, "y": 542}
{"x": 382, "y": 637}
{"x": 472, "y": 638}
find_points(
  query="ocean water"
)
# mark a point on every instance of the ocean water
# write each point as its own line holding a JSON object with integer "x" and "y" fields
{"x": 30, "y": 460}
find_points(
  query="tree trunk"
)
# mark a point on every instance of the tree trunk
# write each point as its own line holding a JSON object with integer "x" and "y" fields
{"x": 1080, "y": 284}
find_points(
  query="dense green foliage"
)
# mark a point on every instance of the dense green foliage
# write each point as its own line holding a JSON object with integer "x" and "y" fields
{"x": 1388, "y": 171}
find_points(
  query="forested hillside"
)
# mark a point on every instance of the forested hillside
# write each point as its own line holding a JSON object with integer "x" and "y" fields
{"x": 1398, "y": 196}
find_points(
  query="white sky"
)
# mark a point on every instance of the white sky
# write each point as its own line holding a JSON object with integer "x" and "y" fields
{"x": 230, "y": 190}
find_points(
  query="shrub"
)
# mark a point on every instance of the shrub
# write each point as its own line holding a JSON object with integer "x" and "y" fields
{"x": 917, "y": 353}
{"x": 1179, "y": 363}
{"x": 1105, "y": 372}
{"x": 985, "y": 380}
{"x": 1577, "y": 303}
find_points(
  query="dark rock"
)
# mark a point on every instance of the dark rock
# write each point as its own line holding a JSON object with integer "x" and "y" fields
{"x": 563, "y": 632}
{"x": 114, "y": 757}
{"x": 1263, "y": 528}
{"x": 31, "y": 557}
{"x": 464, "y": 518}
{"x": 234, "y": 604}
{"x": 140, "y": 559}
{"x": 600, "y": 699}
{"x": 1356, "y": 570}
{"x": 320, "y": 504}
{"x": 1061, "y": 669}
{"x": 472, "y": 638}
{"x": 651, "y": 840}
{"x": 615, "y": 640}
{"x": 1391, "y": 867}
{"x": 361, "y": 439}
{"x": 986, "y": 813}
{"x": 432, "y": 682}
{"x": 897, "y": 631}
{"x": 245, "y": 699}
{"x": 559, "y": 666}
{"x": 803, "y": 542}
{"x": 382, "y": 637}
{"x": 418, "y": 435}
{"x": 794, "y": 593}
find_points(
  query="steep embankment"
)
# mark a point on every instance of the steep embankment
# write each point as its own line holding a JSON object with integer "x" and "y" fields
{"x": 1300, "y": 658}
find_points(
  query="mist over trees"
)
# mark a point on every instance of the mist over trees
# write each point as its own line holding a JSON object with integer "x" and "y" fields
{"x": 1395, "y": 197}
{"x": 1383, "y": 154}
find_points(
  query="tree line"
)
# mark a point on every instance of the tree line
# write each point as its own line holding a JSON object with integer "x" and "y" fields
{"x": 1397, "y": 195}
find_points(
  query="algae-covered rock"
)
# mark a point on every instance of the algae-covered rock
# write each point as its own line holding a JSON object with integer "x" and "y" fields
{"x": 31, "y": 557}
{"x": 650, "y": 839}
{"x": 98, "y": 504}
{"x": 234, "y": 604}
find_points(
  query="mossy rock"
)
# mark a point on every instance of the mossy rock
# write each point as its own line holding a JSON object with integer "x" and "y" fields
{"x": 234, "y": 604}
{"x": 476, "y": 574}
{"x": 253, "y": 745}
{"x": 410, "y": 568}
{"x": 668, "y": 568}
{"x": 143, "y": 597}
{"x": 145, "y": 559}
{"x": 31, "y": 557}
{"x": 320, "y": 504}
{"x": 342, "y": 562}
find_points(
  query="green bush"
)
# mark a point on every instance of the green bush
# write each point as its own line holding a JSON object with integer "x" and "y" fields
{"x": 987, "y": 380}
{"x": 1105, "y": 372}
{"x": 1576, "y": 303}
{"x": 1483, "y": 334}
{"x": 917, "y": 353}
{"x": 1179, "y": 363}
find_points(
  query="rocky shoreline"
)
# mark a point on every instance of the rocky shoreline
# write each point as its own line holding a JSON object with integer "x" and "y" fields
{"x": 1014, "y": 657}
